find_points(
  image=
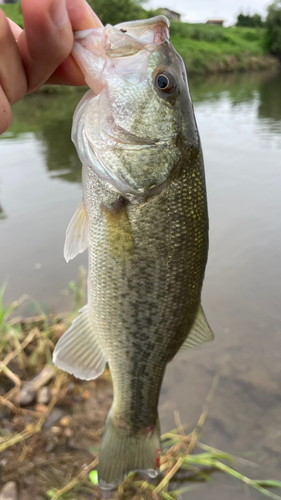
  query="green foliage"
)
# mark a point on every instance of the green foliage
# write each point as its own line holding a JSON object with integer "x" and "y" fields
{"x": 117, "y": 11}
{"x": 109, "y": 11}
{"x": 254, "y": 21}
{"x": 273, "y": 28}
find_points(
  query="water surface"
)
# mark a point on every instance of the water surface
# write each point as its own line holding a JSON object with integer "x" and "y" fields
{"x": 239, "y": 118}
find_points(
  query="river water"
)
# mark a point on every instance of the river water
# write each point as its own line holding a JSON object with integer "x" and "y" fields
{"x": 239, "y": 118}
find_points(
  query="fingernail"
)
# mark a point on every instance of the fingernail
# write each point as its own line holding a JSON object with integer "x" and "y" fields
{"x": 58, "y": 13}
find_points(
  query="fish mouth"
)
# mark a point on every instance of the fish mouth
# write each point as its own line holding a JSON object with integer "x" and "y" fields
{"x": 126, "y": 38}
{"x": 154, "y": 30}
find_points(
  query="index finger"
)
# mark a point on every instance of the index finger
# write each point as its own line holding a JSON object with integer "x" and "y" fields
{"x": 81, "y": 17}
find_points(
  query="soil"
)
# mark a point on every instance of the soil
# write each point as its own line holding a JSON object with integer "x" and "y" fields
{"x": 71, "y": 427}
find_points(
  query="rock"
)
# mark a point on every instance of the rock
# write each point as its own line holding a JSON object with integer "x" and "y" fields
{"x": 44, "y": 396}
{"x": 41, "y": 408}
{"x": 51, "y": 446}
{"x": 29, "y": 389}
{"x": 54, "y": 417}
{"x": 9, "y": 491}
{"x": 56, "y": 430}
{"x": 65, "y": 421}
{"x": 67, "y": 432}
{"x": 27, "y": 395}
{"x": 70, "y": 387}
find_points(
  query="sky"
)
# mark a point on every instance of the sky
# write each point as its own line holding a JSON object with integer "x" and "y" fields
{"x": 201, "y": 10}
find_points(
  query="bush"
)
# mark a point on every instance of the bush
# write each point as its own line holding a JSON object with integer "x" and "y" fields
{"x": 273, "y": 28}
{"x": 254, "y": 21}
{"x": 117, "y": 11}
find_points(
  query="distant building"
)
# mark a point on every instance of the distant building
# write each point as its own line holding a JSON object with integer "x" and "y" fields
{"x": 170, "y": 14}
{"x": 217, "y": 22}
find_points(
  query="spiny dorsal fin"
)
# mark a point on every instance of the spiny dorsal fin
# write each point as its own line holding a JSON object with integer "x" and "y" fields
{"x": 200, "y": 331}
{"x": 76, "y": 240}
{"x": 78, "y": 351}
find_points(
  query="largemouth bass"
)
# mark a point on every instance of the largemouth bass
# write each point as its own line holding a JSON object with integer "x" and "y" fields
{"x": 144, "y": 220}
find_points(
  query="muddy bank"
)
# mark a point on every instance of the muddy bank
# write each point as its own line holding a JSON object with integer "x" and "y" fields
{"x": 232, "y": 64}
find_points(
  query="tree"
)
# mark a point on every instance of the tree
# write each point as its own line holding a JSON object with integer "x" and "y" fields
{"x": 117, "y": 11}
{"x": 248, "y": 21}
{"x": 273, "y": 28}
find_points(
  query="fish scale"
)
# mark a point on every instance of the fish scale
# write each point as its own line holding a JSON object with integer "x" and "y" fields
{"x": 144, "y": 220}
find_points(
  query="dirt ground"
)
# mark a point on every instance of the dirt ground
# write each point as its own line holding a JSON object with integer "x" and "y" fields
{"x": 49, "y": 433}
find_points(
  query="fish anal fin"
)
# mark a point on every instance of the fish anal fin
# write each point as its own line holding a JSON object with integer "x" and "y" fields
{"x": 76, "y": 238}
{"x": 199, "y": 333}
{"x": 78, "y": 351}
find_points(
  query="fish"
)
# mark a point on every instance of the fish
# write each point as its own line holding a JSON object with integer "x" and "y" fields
{"x": 144, "y": 220}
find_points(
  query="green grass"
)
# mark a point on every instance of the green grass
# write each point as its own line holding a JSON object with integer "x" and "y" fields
{"x": 207, "y": 48}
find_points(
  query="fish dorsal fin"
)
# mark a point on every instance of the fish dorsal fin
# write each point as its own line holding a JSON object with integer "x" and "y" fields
{"x": 76, "y": 237}
{"x": 78, "y": 351}
{"x": 200, "y": 331}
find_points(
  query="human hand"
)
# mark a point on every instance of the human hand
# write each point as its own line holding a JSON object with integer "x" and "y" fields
{"x": 41, "y": 52}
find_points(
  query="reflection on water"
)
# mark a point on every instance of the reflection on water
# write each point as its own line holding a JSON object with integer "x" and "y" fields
{"x": 59, "y": 151}
{"x": 2, "y": 214}
{"x": 270, "y": 100}
{"x": 239, "y": 118}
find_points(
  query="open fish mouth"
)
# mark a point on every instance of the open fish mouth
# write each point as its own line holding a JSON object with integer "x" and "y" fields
{"x": 146, "y": 31}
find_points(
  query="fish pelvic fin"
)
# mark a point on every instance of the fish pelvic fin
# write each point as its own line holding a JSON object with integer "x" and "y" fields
{"x": 76, "y": 236}
{"x": 122, "y": 452}
{"x": 200, "y": 331}
{"x": 78, "y": 351}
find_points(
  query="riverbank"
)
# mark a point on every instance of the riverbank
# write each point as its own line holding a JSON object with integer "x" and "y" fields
{"x": 52, "y": 424}
{"x": 208, "y": 49}
{"x": 214, "y": 49}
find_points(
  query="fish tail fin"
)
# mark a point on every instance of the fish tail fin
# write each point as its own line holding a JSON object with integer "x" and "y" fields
{"x": 121, "y": 453}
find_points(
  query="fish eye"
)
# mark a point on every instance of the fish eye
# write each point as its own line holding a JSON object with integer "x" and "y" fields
{"x": 165, "y": 82}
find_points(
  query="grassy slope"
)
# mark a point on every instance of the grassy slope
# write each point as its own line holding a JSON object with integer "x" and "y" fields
{"x": 206, "y": 48}
{"x": 213, "y": 48}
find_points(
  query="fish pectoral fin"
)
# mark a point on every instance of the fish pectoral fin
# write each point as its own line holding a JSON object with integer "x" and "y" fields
{"x": 76, "y": 237}
{"x": 78, "y": 351}
{"x": 199, "y": 333}
{"x": 118, "y": 233}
